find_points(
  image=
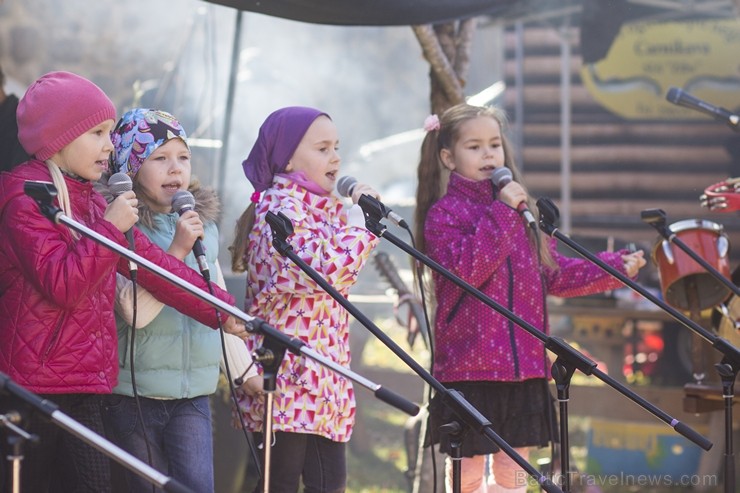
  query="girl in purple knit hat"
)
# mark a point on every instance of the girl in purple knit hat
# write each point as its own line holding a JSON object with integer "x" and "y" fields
{"x": 472, "y": 227}
{"x": 293, "y": 167}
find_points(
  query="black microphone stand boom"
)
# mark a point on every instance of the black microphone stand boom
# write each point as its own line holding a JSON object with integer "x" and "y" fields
{"x": 731, "y": 356}
{"x": 281, "y": 229}
{"x": 51, "y": 411}
{"x": 44, "y": 192}
{"x": 568, "y": 358}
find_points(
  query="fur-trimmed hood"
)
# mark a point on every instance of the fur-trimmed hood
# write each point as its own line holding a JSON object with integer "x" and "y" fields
{"x": 207, "y": 204}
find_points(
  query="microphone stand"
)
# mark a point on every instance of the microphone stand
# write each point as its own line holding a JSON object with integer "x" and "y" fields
{"x": 270, "y": 355}
{"x": 281, "y": 229}
{"x": 44, "y": 192}
{"x": 15, "y": 436}
{"x": 568, "y": 358}
{"x": 51, "y": 411}
{"x": 727, "y": 368}
{"x": 731, "y": 360}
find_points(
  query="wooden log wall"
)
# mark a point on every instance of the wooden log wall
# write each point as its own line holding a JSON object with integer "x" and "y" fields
{"x": 619, "y": 167}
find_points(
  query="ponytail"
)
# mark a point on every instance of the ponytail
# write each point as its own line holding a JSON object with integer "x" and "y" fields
{"x": 62, "y": 192}
{"x": 238, "y": 248}
{"x": 432, "y": 179}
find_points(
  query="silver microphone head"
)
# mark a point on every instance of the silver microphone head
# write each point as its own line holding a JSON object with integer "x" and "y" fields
{"x": 119, "y": 183}
{"x": 501, "y": 177}
{"x": 183, "y": 201}
{"x": 345, "y": 186}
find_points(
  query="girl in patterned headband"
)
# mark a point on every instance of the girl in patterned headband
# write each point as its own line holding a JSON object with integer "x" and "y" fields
{"x": 57, "y": 288}
{"x": 175, "y": 359}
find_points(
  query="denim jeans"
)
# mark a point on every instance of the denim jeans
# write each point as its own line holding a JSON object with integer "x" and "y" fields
{"x": 179, "y": 433}
{"x": 321, "y": 462}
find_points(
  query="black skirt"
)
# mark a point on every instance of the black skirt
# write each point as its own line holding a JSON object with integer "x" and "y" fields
{"x": 522, "y": 413}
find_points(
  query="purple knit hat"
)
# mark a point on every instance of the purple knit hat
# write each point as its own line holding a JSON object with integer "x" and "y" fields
{"x": 58, "y": 108}
{"x": 278, "y": 139}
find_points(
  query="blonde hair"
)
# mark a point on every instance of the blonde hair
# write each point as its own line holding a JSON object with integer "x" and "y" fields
{"x": 60, "y": 183}
{"x": 433, "y": 176}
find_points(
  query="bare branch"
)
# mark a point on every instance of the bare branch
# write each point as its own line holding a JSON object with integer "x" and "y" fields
{"x": 440, "y": 64}
{"x": 446, "y": 34}
{"x": 464, "y": 43}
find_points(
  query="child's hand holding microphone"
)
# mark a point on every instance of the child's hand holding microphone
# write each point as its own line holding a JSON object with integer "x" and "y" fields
{"x": 122, "y": 211}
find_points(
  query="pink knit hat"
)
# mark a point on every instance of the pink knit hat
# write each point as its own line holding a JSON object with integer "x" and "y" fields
{"x": 58, "y": 108}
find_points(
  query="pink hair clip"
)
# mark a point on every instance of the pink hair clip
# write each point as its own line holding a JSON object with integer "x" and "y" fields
{"x": 255, "y": 198}
{"x": 431, "y": 123}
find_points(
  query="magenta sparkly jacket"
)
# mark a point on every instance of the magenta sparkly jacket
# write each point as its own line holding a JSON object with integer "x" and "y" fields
{"x": 484, "y": 241}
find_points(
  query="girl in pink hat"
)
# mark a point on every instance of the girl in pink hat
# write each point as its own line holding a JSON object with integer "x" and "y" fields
{"x": 175, "y": 364}
{"x": 57, "y": 288}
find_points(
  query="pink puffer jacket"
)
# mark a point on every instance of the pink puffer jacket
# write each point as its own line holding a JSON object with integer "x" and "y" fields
{"x": 57, "y": 327}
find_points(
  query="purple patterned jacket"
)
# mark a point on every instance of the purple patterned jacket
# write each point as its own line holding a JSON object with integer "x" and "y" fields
{"x": 484, "y": 241}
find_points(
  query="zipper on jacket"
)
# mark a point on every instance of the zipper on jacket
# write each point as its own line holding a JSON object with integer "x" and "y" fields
{"x": 512, "y": 337}
{"x": 53, "y": 341}
{"x": 457, "y": 306}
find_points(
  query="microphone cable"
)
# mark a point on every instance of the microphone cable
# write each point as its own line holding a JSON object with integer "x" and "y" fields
{"x": 419, "y": 270}
{"x": 182, "y": 202}
{"x": 232, "y": 389}
{"x": 132, "y": 359}
{"x": 119, "y": 183}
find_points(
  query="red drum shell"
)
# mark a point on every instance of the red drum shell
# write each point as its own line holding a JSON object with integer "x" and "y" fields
{"x": 683, "y": 281}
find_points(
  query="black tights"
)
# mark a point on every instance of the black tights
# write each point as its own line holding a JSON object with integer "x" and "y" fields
{"x": 319, "y": 461}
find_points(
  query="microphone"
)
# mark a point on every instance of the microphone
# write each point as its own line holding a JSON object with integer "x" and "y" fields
{"x": 345, "y": 187}
{"x": 120, "y": 183}
{"x": 502, "y": 177}
{"x": 682, "y": 98}
{"x": 182, "y": 202}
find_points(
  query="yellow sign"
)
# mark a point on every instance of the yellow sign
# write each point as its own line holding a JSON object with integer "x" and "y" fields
{"x": 645, "y": 60}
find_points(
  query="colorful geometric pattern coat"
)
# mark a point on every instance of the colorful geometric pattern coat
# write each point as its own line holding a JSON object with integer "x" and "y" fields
{"x": 309, "y": 398}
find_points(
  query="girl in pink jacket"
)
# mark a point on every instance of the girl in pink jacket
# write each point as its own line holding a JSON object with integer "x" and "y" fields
{"x": 57, "y": 288}
{"x": 472, "y": 228}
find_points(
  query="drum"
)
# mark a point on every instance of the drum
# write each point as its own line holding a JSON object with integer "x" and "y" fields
{"x": 685, "y": 284}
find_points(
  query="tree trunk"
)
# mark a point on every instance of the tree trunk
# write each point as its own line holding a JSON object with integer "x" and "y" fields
{"x": 447, "y": 49}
